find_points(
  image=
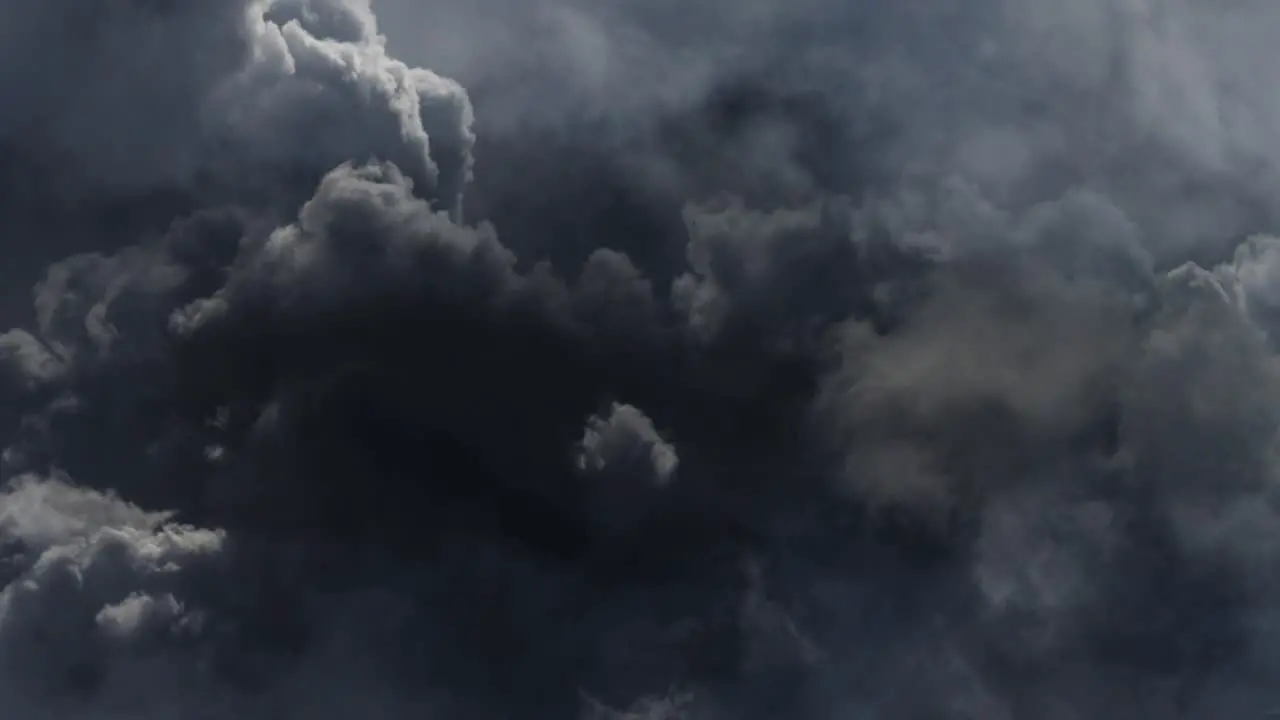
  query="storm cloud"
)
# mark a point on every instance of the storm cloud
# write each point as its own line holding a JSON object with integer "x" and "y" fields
{"x": 702, "y": 360}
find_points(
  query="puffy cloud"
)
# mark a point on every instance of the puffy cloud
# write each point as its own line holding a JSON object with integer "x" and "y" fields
{"x": 625, "y": 461}
{"x": 161, "y": 109}
{"x": 363, "y": 233}
{"x": 626, "y": 442}
{"x": 221, "y": 91}
{"x": 948, "y": 390}
{"x": 27, "y": 360}
{"x": 93, "y": 599}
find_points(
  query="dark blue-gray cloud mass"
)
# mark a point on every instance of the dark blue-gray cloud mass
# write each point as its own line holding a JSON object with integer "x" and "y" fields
{"x": 705, "y": 360}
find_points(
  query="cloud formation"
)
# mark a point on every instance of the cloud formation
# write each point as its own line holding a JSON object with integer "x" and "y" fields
{"x": 809, "y": 360}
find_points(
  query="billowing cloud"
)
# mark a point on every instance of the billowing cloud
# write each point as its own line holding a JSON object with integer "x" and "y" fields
{"x": 94, "y": 601}
{"x": 793, "y": 360}
{"x": 625, "y": 462}
{"x": 224, "y": 88}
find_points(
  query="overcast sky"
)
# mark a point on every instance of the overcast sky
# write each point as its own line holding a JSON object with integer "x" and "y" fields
{"x": 711, "y": 359}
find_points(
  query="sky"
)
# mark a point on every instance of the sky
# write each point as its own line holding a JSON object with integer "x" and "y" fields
{"x": 578, "y": 360}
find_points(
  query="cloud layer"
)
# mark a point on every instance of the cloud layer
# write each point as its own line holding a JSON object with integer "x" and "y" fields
{"x": 812, "y": 360}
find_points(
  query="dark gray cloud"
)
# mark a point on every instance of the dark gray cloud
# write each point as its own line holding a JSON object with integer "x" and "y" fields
{"x": 131, "y": 115}
{"x": 625, "y": 463}
{"x": 225, "y": 89}
{"x": 789, "y": 360}
{"x": 94, "y": 601}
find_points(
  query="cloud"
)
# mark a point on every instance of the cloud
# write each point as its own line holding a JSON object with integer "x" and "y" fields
{"x": 26, "y": 359}
{"x": 223, "y": 83}
{"x": 793, "y": 360}
{"x": 137, "y": 114}
{"x": 625, "y": 461}
{"x": 92, "y": 599}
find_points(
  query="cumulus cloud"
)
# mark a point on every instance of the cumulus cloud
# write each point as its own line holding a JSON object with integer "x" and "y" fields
{"x": 625, "y": 461}
{"x": 92, "y": 601}
{"x": 626, "y": 442}
{"x": 225, "y": 82}
{"x": 159, "y": 110}
{"x": 26, "y": 359}
{"x": 800, "y": 360}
